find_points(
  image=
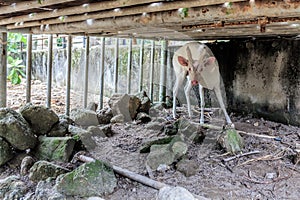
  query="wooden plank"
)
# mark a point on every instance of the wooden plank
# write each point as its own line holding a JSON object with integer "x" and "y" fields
{"x": 25, "y": 5}
{"x": 122, "y": 12}
{"x": 215, "y": 16}
{"x": 75, "y": 10}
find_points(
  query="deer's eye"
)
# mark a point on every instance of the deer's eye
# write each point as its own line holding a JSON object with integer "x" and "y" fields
{"x": 190, "y": 69}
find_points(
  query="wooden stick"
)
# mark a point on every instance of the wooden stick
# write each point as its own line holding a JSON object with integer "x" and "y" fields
{"x": 124, "y": 172}
{"x": 257, "y": 135}
{"x": 240, "y": 155}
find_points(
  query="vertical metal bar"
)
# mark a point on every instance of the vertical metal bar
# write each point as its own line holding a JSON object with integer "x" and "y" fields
{"x": 129, "y": 66}
{"x": 141, "y": 66}
{"x": 28, "y": 67}
{"x": 152, "y": 56}
{"x": 49, "y": 70}
{"x": 163, "y": 71}
{"x": 86, "y": 72}
{"x": 69, "y": 63}
{"x": 102, "y": 59}
{"x": 170, "y": 75}
{"x": 3, "y": 69}
{"x": 116, "y": 66}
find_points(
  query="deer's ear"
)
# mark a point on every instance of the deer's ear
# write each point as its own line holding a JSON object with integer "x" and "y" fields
{"x": 182, "y": 61}
{"x": 209, "y": 61}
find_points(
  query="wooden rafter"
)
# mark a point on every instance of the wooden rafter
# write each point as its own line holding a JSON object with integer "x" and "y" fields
{"x": 75, "y": 10}
{"x": 123, "y": 12}
{"x": 25, "y": 5}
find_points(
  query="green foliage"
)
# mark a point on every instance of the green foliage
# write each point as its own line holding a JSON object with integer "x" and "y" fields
{"x": 15, "y": 70}
{"x": 15, "y": 67}
{"x": 183, "y": 12}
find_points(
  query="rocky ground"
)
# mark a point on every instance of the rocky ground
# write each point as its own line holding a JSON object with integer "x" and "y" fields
{"x": 271, "y": 172}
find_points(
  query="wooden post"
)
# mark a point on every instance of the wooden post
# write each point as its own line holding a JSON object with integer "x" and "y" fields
{"x": 141, "y": 66}
{"x": 163, "y": 71}
{"x": 129, "y": 66}
{"x": 86, "y": 71}
{"x": 28, "y": 67}
{"x": 152, "y": 69}
{"x": 49, "y": 70}
{"x": 3, "y": 69}
{"x": 116, "y": 66}
{"x": 102, "y": 72}
{"x": 69, "y": 64}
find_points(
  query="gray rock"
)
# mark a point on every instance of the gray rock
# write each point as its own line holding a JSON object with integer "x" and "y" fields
{"x": 107, "y": 130}
{"x": 92, "y": 106}
{"x": 119, "y": 103}
{"x": 174, "y": 193}
{"x": 160, "y": 154}
{"x": 59, "y": 130}
{"x": 145, "y": 148}
{"x": 90, "y": 179}
{"x": 84, "y": 117}
{"x": 118, "y": 119}
{"x": 87, "y": 137}
{"x": 145, "y": 104}
{"x": 134, "y": 105}
{"x": 55, "y": 148}
{"x": 12, "y": 188}
{"x": 125, "y": 105}
{"x": 156, "y": 126}
{"x": 45, "y": 190}
{"x": 105, "y": 115}
{"x": 170, "y": 129}
{"x": 15, "y": 130}
{"x": 96, "y": 131}
{"x": 179, "y": 149}
{"x": 143, "y": 117}
{"x": 40, "y": 118}
{"x": 6, "y": 152}
{"x": 26, "y": 164}
{"x": 42, "y": 170}
{"x": 192, "y": 131}
{"x": 187, "y": 167}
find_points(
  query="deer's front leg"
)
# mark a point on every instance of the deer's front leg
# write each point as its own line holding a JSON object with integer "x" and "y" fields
{"x": 179, "y": 80}
{"x": 201, "y": 92}
{"x": 187, "y": 91}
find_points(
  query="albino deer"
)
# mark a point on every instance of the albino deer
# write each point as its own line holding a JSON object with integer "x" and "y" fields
{"x": 197, "y": 62}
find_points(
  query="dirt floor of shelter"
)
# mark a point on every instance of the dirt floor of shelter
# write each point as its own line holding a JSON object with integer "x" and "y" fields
{"x": 270, "y": 174}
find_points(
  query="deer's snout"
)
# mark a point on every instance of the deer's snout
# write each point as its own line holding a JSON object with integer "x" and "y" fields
{"x": 194, "y": 82}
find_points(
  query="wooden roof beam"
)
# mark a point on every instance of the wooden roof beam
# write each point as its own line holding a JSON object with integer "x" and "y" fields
{"x": 25, "y": 5}
{"x": 123, "y": 12}
{"x": 93, "y": 7}
{"x": 242, "y": 12}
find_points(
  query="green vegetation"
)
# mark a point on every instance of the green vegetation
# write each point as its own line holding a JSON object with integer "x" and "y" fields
{"x": 16, "y": 70}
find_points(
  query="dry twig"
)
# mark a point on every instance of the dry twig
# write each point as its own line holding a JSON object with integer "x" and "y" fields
{"x": 240, "y": 155}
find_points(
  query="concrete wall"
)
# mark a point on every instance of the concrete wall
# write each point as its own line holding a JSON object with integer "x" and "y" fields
{"x": 262, "y": 77}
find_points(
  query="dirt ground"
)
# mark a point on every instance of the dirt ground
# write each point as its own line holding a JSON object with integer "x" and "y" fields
{"x": 269, "y": 174}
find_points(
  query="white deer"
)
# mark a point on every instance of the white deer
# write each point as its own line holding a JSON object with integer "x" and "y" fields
{"x": 197, "y": 62}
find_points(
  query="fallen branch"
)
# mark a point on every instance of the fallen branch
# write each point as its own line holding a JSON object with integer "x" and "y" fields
{"x": 240, "y": 155}
{"x": 124, "y": 172}
{"x": 134, "y": 176}
{"x": 257, "y": 135}
{"x": 219, "y": 128}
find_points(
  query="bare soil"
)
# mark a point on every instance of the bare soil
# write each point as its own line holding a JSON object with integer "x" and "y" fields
{"x": 270, "y": 174}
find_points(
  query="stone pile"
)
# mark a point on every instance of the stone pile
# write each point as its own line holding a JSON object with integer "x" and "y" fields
{"x": 48, "y": 142}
